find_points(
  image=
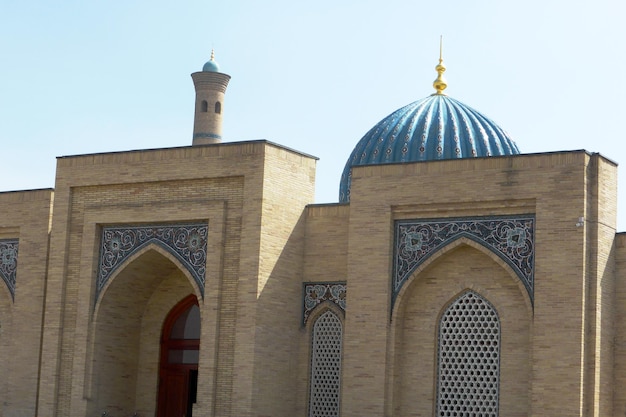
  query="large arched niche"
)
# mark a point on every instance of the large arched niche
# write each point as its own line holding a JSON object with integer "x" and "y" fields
{"x": 461, "y": 266}
{"x": 127, "y": 324}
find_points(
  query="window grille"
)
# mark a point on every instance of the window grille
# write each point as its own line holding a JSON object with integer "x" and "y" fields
{"x": 325, "y": 366}
{"x": 468, "y": 369}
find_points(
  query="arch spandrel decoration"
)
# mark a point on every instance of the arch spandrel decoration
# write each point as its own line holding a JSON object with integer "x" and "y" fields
{"x": 315, "y": 293}
{"x": 8, "y": 263}
{"x": 186, "y": 242}
{"x": 511, "y": 238}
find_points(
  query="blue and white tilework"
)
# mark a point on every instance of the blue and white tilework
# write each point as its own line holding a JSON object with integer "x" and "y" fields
{"x": 317, "y": 292}
{"x": 8, "y": 263}
{"x": 511, "y": 238}
{"x": 187, "y": 242}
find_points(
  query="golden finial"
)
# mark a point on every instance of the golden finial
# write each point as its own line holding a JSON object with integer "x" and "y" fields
{"x": 440, "y": 83}
{"x": 212, "y": 54}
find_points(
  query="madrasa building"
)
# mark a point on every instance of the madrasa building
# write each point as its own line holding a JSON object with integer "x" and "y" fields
{"x": 454, "y": 277}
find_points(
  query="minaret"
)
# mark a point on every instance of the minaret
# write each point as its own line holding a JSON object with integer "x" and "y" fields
{"x": 210, "y": 87}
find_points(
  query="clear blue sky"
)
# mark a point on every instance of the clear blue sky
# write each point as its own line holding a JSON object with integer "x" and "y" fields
{"x": 96, "y": 76}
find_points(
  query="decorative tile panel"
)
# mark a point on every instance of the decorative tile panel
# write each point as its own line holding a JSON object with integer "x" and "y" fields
{"x": 8, "y": 263}
{"x": 187, "y": 242}
{"x": 511, "y": 238}
{"x": 317, "y": 292}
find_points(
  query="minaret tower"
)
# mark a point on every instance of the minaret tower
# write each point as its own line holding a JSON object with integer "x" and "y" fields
{"x": 210, "y": 86}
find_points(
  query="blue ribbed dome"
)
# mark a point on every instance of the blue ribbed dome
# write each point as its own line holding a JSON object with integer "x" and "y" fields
{"x": 433, "y": 128}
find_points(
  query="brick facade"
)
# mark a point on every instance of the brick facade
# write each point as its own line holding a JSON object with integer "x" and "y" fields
{"x": 70, "y": 349}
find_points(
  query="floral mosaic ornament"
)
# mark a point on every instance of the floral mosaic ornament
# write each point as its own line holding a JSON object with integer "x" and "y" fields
{"x": 317, "y": 292}
{"x": 187, "y": 242}
{"x": 511, "y": 238}
{"x": 8, "y": 263}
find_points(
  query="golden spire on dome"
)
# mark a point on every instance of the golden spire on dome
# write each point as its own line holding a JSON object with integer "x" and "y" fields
{"x": 440, "y": 83}
{"x": 212, "y": 54}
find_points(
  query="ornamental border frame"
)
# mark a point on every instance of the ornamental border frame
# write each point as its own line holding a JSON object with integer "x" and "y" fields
{"x": 523, "y": 265}
{"x": 333, "y": 290}
{"x": 113, "y": 255}
{"x": 8, "y": 273}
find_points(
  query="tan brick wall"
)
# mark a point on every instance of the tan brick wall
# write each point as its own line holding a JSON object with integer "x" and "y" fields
{"x": 289, "y": 184}
{"x": 326, "y": 246}
{"x": 600, "y": 225}
{"x": 620, "y": 327}
{"x": 26, "y": 216}
{"x": 325, "y": 260}
{"x": 554, "y": 188}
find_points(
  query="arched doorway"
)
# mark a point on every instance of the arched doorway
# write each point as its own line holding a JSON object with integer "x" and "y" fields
{"x": 178, "y": 373}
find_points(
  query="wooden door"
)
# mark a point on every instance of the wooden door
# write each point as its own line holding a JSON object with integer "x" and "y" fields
{"x": 180, "y": 343}
{"x": 175, "y": 394}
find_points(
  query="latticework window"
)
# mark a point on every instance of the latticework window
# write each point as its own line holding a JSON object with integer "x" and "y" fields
{"x": 325, "y": 366}
{"x": 468, "y": 369}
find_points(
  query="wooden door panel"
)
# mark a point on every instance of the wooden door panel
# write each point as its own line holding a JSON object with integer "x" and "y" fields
{"x": 179, "y": 360}
{"x": 174, "y": 395}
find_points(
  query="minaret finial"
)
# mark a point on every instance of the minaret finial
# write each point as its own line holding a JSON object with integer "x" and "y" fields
{"x": 440, "y": 48}
{"x": 440, "y": 83}
{"x": 212, "y": 54}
